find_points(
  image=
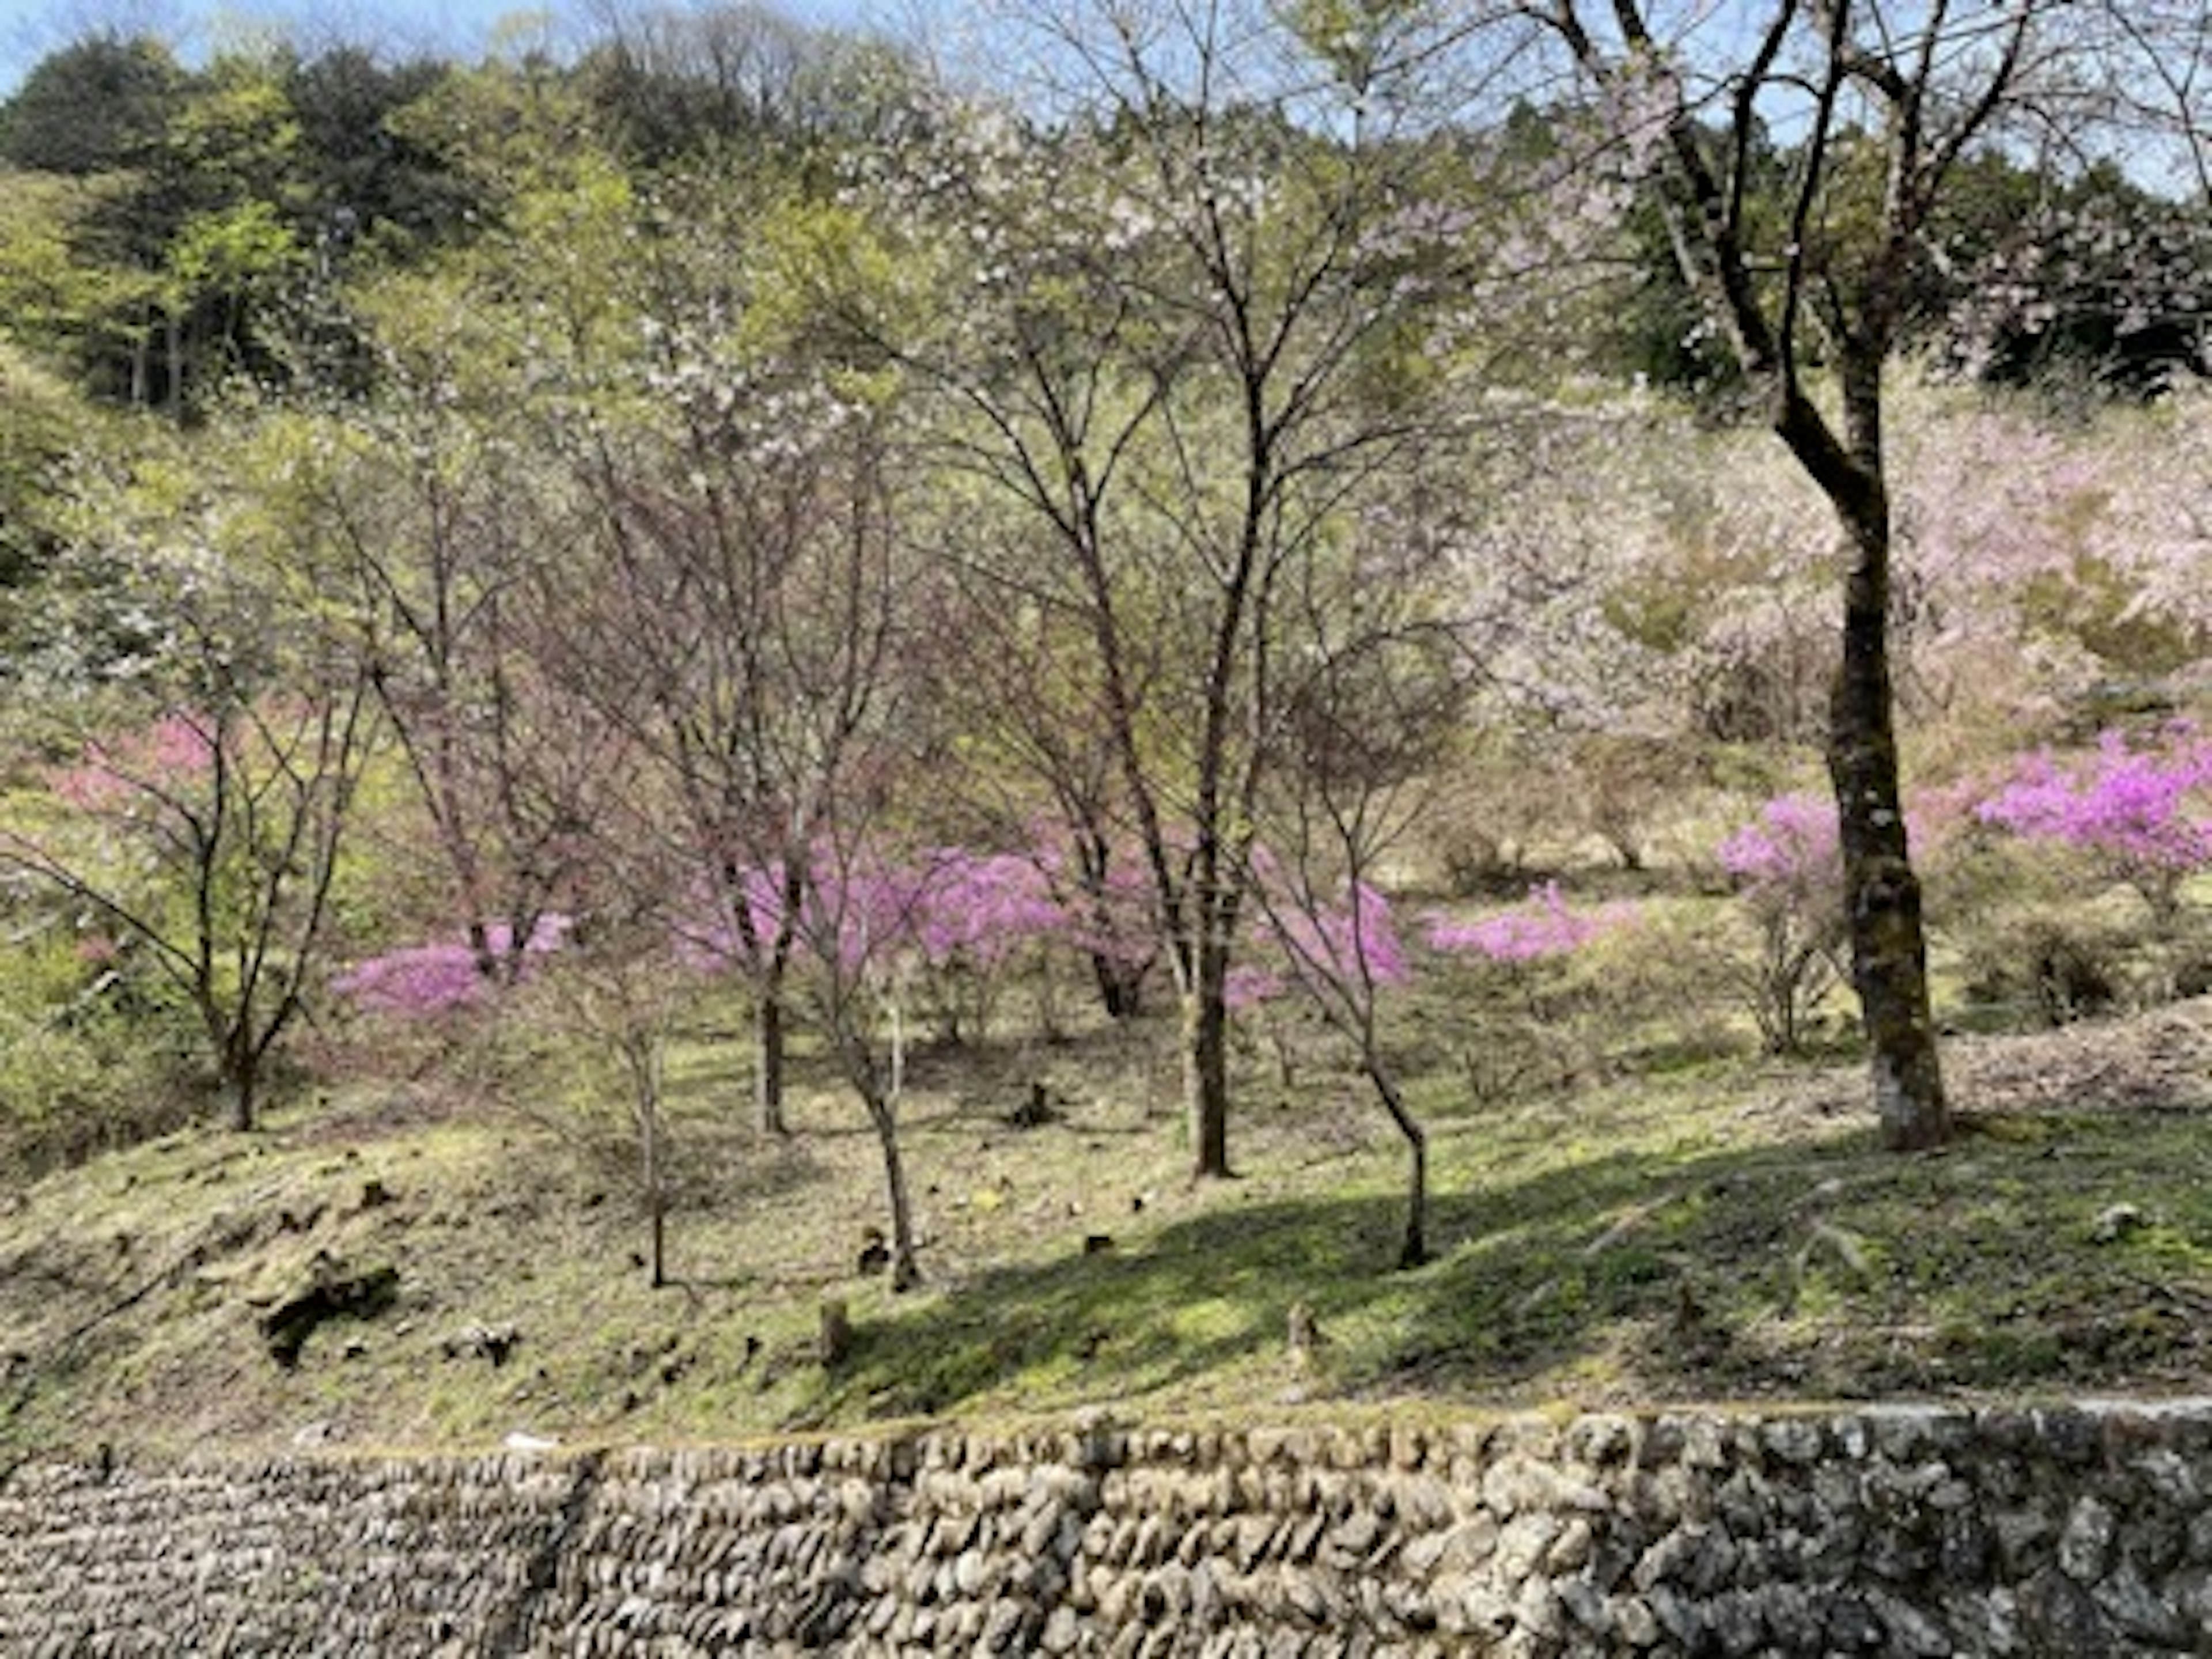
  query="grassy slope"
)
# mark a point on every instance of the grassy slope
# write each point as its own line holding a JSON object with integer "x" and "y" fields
{"x": 1725, "y": 1230}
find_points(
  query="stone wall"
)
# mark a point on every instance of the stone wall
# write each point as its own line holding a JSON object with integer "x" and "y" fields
{"x": 2075, "y": 1531}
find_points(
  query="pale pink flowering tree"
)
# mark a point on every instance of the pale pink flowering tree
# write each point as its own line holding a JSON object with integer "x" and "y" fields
{"x": 1175, "y": 347}
{"x": 746, "y": 493}
{"x": 1836, "y": 279}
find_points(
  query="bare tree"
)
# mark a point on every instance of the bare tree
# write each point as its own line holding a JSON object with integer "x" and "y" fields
{"x": 1369, "y": 716}
{"x": 205, "y": 824}
{"x": 1202, "y": 291}
{"x": 425, "y": 507}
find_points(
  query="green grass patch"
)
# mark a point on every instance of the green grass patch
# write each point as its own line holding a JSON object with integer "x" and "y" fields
{"x": 1724, "y": 1229}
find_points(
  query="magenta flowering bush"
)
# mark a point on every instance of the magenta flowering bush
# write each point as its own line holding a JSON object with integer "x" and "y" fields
{"x": 981, "y": 909}
{"x": 1105, "y": 897}
{"x": 2132, "y": 810}
{"x": 948, "y": 923}
{"x": 975, "y": 918}
{"x": 1792, "y": 849}
{"x": 444, "y": 976}
{"x": 1788, "y": 869}
{"x": 1534, "y": 1032}
{"x": 1541, "y": 927}
{"x": 1352, "y": 941}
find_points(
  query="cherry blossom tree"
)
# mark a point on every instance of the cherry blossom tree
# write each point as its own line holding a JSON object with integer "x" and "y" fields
{"x": 1882, "y": 106}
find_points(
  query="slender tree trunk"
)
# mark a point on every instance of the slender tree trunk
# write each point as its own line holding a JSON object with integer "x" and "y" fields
{"x": 768, "y": 1059}
{"x": 881, "y": 1102}
{"x": 906, "y": 1272}
{"x": 1414, "y": 1249}
{"x": 175, "y": 402}
{"x": 641, "y": 1051}
{"x": 1205, "y": 1059}
{"x": 656, "y": 1197}
{"x": 1121, "y": 987}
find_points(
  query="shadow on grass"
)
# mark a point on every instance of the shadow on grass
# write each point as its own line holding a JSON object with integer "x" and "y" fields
{"x": 1525, "y": 1279}
{"x": 1820, "y": 1266}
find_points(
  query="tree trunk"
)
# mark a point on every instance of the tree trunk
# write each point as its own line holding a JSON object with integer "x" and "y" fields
{"x": 1121, "y": 987}
{"x": 656, "y": 1197}
{"x": 906, "y": 1273}
{"x": 1205, "y": 1063}
{"x": 1881, "y": 894}
{"x": 245, "y": 1100}
{"x": 174, "y": 402}
{"x": 238, "y": 1069}
{"x": 767, "y": 1060}
{"x": 641, "y": 1052}
{"x": 1414, "y": 1250}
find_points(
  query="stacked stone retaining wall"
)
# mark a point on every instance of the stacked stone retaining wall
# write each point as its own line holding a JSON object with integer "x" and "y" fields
{"x": 2063, "y": 1531}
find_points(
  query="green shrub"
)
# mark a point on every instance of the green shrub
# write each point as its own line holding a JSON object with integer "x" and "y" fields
{"x": 84, "y": 1066}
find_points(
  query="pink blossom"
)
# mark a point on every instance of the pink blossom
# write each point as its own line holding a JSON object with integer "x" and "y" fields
{"x": 174, "y": 749}
{"x": 1355, "y": 938}
{"x": 978, "y": 909}
{"x": 715, "y": 941}
{"x": 1247, "y": 987}
{"x": 2128, "y": 806}
{"x": 1793, "y": 848}
{"x": 443, "y": 976}
{"x": 1541, "y": 927}
{"x": 1112, "y": 921}
{"x": 1352, "y": 942}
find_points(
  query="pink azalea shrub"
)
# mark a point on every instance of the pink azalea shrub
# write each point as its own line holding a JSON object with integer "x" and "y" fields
{"x": 2132, "y": 810}
{"x": 1788, "y": 868}
{"x": 1353, "y": 942}
{"x": 1792, "y": 852}
{"x": 949, "y": 920}
{"x": 444, "y": 976}
{"x": 1541, "y": 928}
{"x": 980, "y": 909}
{"x": 1536, "y": 1029}
{"x": 975, "y": 918}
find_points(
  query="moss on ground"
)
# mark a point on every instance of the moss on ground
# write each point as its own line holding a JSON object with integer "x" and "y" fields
{"x": 1722, "y": 1229}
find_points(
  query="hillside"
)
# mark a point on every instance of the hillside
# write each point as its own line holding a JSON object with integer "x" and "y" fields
{"x": 1725, "y": 1229}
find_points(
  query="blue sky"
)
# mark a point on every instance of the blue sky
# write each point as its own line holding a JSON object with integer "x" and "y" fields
{"x": 31, "y": 28}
